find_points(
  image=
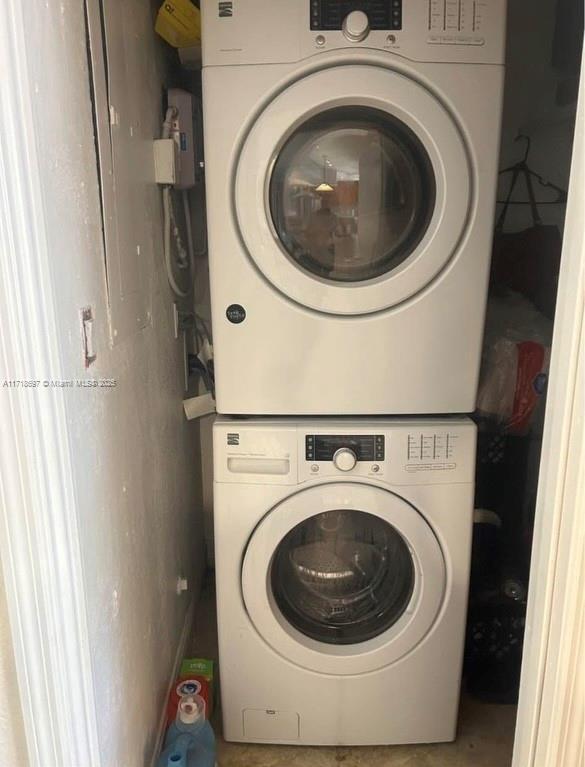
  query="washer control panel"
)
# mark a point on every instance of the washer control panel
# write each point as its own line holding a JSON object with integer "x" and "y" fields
{"x": 351, "y": 453}
{"x": 324, "y": 447}
{"x": 330, "y": 15}
{"x": 418, "y": 452}
{"x": 431, "y": 451}
{"x": 457, "y": 22}
{"x": 392, "y": 451}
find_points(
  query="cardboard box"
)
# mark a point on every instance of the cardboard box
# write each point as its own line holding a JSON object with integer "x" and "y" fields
{"x": 179, "y": 23}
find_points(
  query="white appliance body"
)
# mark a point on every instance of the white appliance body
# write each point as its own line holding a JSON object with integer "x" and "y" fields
{"x": 351, "y": 191}
{"x": 305, "y": 658}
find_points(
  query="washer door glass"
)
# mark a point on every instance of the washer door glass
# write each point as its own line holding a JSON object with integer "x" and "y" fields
{"x": 342, "y": 577}
{"x": 352, "y": 194}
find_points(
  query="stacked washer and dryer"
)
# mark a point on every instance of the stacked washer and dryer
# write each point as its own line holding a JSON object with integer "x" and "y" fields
{"x": 351, "y": 168}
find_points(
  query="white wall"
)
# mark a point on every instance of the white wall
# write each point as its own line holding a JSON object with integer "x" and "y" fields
{"x": 12, "y": 739}
{"x": 135, "y": 458}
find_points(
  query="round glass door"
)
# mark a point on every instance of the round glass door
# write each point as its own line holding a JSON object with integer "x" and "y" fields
{"x": 352, "y": 189}
{"x": 339, "y": 590}
{"x": 351, "y": 194}
{"x": 342, "y": 577}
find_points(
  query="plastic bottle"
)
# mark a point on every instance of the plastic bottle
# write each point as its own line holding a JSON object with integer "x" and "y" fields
{"x": 189, "y": 741}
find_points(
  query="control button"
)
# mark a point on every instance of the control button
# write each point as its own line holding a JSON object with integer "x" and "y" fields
{"x": 235, "y": 313}
{"x": 375, "y": 468}
{"x": 314, "y": 468}
{"x": 356, "y": 26}
{"x": 391, "y": 39}
{"x": 379, "y": 451}
{"x": 344, "y": 459}
{"x": 320, "y": 40}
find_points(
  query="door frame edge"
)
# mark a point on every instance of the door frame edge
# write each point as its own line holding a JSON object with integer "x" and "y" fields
{"x": 548, "y": 709}
{"x": 39, "y": 536}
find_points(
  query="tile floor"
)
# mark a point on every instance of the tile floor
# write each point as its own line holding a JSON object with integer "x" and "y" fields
{"x": 485, "y": 738}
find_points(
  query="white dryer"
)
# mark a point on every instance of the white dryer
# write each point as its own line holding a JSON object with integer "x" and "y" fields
{"x": 342, "y": 566}
{"x": 351, "y": 164}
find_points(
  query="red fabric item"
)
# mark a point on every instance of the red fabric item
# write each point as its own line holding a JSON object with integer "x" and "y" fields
{"x": 531, "y": 357}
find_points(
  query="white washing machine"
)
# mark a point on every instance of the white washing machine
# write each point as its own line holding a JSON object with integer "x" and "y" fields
{"x": 342, "y": 566}
{"x": 351, "y": 164}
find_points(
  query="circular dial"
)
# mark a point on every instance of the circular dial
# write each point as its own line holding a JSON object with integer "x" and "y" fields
{"x": 344, "y": 459}
{"x": 356, "y": 26}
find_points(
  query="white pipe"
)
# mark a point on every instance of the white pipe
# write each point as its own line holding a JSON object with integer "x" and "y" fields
{"x": 167, "y": 245}
{"x": 168, "y": 122}
{"x": 190, "y": 246}
{"x": 168, "y": 222}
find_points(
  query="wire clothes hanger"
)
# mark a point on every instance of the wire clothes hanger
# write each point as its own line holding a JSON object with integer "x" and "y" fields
{"x": 522, "y": 169}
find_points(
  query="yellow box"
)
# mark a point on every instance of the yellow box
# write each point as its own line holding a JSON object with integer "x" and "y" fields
{"x": 179, "y": 23}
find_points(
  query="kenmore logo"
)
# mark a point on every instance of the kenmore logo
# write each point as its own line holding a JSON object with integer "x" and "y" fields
{"x": 233, "y": 439}
{"x": 226, "y": 9}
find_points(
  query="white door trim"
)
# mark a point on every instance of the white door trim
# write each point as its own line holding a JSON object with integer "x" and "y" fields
{"x": 39, "y": 541}
{"x": 549, "y": 730}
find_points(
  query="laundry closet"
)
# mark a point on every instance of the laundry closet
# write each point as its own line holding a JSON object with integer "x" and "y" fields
{"x": 315, "y": 247}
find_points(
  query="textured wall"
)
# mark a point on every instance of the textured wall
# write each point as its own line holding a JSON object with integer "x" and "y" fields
{"x": 135, "y": 458}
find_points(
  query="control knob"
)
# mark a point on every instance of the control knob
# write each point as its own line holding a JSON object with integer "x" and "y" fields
{"x": 344, "y": 459}
{"x": 356, "y": 26}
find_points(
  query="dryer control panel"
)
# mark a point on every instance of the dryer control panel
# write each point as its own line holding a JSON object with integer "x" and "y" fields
{"x": 287, "y": 31}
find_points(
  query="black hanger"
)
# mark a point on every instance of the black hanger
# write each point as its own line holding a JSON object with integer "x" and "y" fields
{"x": 522, "y": 168}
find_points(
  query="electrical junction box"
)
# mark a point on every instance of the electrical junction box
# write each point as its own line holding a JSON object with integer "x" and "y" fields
{"x": 165, "y": 161}
{"x": 182, "y": 133}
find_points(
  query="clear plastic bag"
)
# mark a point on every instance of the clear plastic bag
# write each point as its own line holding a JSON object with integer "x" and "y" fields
{"x": 515, "y": 364}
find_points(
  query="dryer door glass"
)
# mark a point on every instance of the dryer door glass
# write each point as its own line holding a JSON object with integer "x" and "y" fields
{"x": 342, "y": 577}
{"x": 351, "y": 194}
